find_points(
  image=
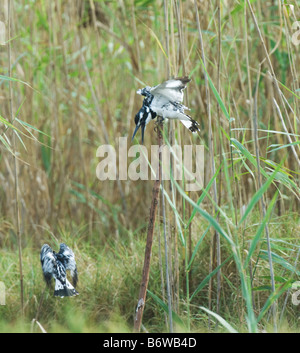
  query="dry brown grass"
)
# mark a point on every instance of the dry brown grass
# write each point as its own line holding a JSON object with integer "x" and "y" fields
{"x": 83, "y": 62}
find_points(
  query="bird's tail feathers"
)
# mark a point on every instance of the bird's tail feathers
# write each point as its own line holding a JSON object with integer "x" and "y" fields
{"x": 191, "y": 124}
{"x": 64, "y": 289}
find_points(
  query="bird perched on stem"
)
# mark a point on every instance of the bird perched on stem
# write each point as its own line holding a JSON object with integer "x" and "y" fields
{"x": 164, "y": 100}
{"x": 55, "y": 265}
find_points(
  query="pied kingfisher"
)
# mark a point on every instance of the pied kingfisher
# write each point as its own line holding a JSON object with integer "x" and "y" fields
{"x": 164, "y": 100}
{"x": 55, "y": 265}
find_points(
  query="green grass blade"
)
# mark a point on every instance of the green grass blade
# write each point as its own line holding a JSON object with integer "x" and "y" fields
{"x": 201, "y": 198}
{"x": 7, "y": 123}
{"x": 260, "y": 230}
{"x": 273, "y": 297}
{"x": 6, "y": 78}
{"x": 5, "y": 143}
{"x": 164, "y": 306}
{"x": 280, "y": 261}
{"x": 216, "y": 93}
{"x": 209, "y": 276}
{"x": 259, "y": 193}
{"x": 204, "y": 214}
{"x": 20, "y": 139}
{"x": 223, "y": 322}
{"x": 24, "y": 124}
{"x": 196, "y": 248}
{"x": 248, "y": 155}
{"x": 283, "y": 146}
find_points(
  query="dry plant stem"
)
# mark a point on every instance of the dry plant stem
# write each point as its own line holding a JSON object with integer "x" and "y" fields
{"x": 150, "y": 234}
{"x": 186, "y": 211}
{"x": 295, "y": 80}
{"x": 210, "y": 136}
{"x": 172, "y": 40}
{"x": 38, "y": 324}
{"x": 136, "y": 38}
{"x": 166, "y": 256}
{"x": 161, "y": 273}
{"x": 217, "y": 235}
{"x": 55, "y": 124}
{"x": 166, "y": 23}
{"x": 171, "y": 133}
{"x": 177, "y": 9}
{"x": 188, "y": 249}
{"x": 250, "y": 99}
{"x": 180, "y": 37}
{"x": 16, "y": 189}
{"x": 286, "y": 130}
{"x": 263, "y": 206}
{"x": 248, "y": 66}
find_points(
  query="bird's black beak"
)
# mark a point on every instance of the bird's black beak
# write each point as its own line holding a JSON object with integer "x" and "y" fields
{"x": 136, "y": 129}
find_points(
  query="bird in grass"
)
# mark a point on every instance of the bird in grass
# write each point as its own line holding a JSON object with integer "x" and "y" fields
{"x": 164, "y": 100}
{"x": 55, "y": 265}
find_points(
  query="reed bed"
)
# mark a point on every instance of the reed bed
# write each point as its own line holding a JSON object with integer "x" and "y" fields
{"x": 69, "y": 75}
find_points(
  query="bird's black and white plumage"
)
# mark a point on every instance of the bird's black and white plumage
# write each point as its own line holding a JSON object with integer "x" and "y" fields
{"x": 55, "y": 265}
{"x": 164, "y": 100}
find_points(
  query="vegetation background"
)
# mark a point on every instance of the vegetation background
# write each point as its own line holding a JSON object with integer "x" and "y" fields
{"x": 69, "y": 74}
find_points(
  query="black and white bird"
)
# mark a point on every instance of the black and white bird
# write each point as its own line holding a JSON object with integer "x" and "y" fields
{"x": 55, "y": 265}
{"x": 164, "y": 100}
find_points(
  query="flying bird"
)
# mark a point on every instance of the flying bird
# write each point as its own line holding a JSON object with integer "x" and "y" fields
{"x": 164, "y": 100}
{"x": 55, "y": 265}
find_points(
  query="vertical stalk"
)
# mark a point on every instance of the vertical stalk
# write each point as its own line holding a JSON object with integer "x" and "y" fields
{"x": 210, "y": 135}
{"x": 166, "y": 242}
{"x": 217, "y": 235}
{"x": 166, "y": 23}
{"x": 187, "y": 279}
{"x": 251, "y": 103}
{"x": 136, "y": 38}
{"x": 181, "y": 51}
{"x": 16, "y": 186}
{"x": 150, "y": 234}
{"x": 166, "y": 256}
{"x": 263, "y": 206}
{"x": 161, "y": 273}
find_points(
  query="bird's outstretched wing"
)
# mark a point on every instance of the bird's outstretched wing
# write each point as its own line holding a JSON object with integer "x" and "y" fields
{"x": 172, "y": 89}
{"x": 48, "y": 262}
{"x": 67, "y": 257}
